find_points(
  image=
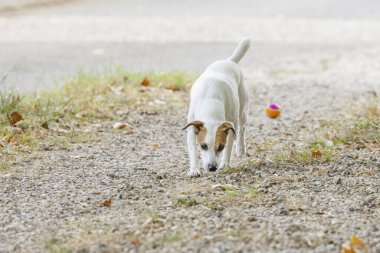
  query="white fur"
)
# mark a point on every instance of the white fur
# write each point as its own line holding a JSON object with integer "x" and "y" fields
{"x": 219, "y": 95}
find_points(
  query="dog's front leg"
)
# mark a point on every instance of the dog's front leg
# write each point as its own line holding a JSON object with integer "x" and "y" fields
{"x": 192, "y": 148}
{"x": 227, "y": 152}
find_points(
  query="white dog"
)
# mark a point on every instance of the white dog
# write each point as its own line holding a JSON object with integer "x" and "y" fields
{"x": 219, "y": 104}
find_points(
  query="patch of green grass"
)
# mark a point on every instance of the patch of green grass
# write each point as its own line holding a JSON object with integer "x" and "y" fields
{"x": 3, "y": 166}
{"x": 364, "y": 131}
{"x": 232, "y": 232}
{"x": 8, "y": 102}
{"x": 238, "y": 168}
{"x": 232, "y": 193}
{"x": 172, "y": 237}
{"x": 253, "y": 192}
{"x": 55, "y": 246}
{"x": 59, "y": 115}
{"x": 212, "y": 205}
{"x": 229, "y": 170}
{"x": 151, "y": 214}
{"x": 187, "y": 201}
{"x": 240, "y": 195}
{"x": 315, "y": 152}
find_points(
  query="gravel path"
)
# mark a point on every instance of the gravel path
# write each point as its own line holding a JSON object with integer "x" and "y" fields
{"x": 59, "y": 200}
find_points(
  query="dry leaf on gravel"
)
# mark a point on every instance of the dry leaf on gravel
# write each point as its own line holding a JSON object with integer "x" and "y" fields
{"x": 354, "y": 245}
{"x": 105, "y": 203}
{"x": 14, "y": 117}
{"x": 155, "y": 146}
{"x": 135, "y": 240}
{"x": 316, "y": 153}
{"x": 172, "y": 87}
{"x": 119, "y": 125}
{"x": 145, "y": 82}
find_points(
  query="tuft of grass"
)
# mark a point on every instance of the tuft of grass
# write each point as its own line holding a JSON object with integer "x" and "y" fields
{"x": 229, "y": 170}
{"x": 172, "y": 237}
{"x": 232, "y": 232}
{"x": 240, "y": 195}
{"x": 54, "y": 246}
{"x": 213, "y": 206}
{"x": 9, "y": 101}
{"x": 187, "y": 201}
{"x": 238, "y": 168}
{"x": 244, "y": 194}
{"x": 151, "y": 214}
{"x": 325, "y": 148}
{"x": 3, "y": 166}
{"x": 253, "y": 192}
{"x": 232, "y": 193}
{"x": 364, "y": 131}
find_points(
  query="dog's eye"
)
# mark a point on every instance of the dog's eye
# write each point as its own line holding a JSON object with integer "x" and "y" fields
{"x": 204, "y": 146}
{"x": 221, "y": 147}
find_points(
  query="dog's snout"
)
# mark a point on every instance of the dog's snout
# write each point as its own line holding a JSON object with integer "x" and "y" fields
{"x": 212, "y": 167}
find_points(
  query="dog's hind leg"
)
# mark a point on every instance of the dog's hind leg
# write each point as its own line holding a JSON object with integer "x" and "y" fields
{"x": 243, "y": 114}
{"x": 192, "y": 148}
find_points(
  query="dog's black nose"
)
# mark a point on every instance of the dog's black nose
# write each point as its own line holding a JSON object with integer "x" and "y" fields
{"x": 212, "y": 167}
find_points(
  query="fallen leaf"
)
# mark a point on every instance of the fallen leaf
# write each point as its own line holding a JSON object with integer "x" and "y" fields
{"x": 135, "y": 240}
{"x": 154, "y": 146}
{"x": 14, "y": 117}
{"x": 145, "y": 82}
{"x": 346, "y": 248}
{"x": 105, "y": 203}
{"x": 172, "y": 87}
{"x": 357, "y": 243}
{"x": 354, "y": 245}
{"x": 119, "y": 125}
{"x": 316, "y": 153}
{"x": 130, "y": 131}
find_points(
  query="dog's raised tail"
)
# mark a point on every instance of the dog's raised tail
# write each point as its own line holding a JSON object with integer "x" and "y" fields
{"x": 240, "y": 50}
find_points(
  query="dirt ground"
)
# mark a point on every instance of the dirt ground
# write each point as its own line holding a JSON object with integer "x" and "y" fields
{"x": 129, "y": 191}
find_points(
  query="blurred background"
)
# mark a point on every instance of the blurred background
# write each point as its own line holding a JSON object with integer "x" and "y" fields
{"x": 42, "y": 42}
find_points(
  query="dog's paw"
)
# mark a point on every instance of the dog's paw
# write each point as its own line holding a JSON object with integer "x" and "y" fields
{"x": 224, "y": 165}
{"x": 194, "y": 173}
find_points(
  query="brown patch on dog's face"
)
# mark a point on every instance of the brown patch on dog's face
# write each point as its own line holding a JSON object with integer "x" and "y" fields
{"x": 199, "y": 130}
{"x": 221, "y": 136}
{"x": 201, "y": 135}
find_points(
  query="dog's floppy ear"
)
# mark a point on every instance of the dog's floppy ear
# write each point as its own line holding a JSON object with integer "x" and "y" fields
{"x": 196, "y": 124}
{"x": 226, "y": 127}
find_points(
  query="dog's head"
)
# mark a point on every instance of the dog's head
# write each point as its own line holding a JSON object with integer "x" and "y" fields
{"x": 211, "y": 138}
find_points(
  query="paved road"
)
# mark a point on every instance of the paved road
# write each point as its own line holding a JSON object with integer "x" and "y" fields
{"x": 41, "y": 45}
